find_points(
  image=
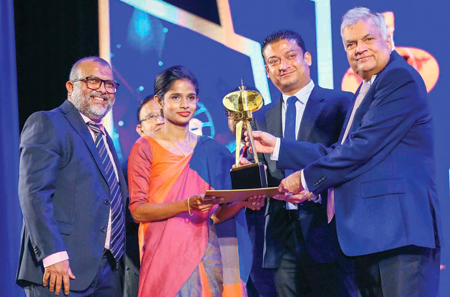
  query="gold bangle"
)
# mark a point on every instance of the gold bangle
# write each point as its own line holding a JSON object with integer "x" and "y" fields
{"x": 309, "y": 196}
{"x": 189, "y": 208}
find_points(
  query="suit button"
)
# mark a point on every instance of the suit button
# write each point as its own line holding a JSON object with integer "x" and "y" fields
{"x": 37, "y": 251}
{"x": 107, "y": 201}
{"x": 103, "y": 229}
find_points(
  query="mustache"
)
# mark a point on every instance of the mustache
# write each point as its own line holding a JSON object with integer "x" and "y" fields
{"x": 100, "y": 95}
{"x": 286, "y": 72}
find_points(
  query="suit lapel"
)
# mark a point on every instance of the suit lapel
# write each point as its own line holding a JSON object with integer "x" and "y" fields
{"x": 349, "y": 112}
{"x": 311, "y": 114}
{"x": 362, "y": 109}
{"x": 273, "y": 119}
{"x": 76, "y": 121}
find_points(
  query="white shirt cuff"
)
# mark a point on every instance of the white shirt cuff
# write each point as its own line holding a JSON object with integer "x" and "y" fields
{"x": 55, "y": 258}
{"x": 305, "y": 186}
{"x": 276, "y": 150}
{"x": 314, "y": 198}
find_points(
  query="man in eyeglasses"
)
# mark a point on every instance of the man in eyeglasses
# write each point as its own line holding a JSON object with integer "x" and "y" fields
{"x": 72, "y": 193}
{"x": 149, "y": 117}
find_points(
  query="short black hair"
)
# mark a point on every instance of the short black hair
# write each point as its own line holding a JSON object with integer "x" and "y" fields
{"x": 166, "y": 79}
{"x": 283, "y": 35}
{"x": 141, "y": 104}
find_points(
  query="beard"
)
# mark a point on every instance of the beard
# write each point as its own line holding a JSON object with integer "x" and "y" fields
{"x": 83, "y": 103}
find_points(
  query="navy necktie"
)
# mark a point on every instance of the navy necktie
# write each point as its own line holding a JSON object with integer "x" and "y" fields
{"x": 117, "y": 240}
{"x": 289, "y": 133}
{"x": 291, "y": 116}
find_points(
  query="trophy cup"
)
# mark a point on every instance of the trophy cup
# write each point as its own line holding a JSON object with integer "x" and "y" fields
{"x": 242, "y": 102}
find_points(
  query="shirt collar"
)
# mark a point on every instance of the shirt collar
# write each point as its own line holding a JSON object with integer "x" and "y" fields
{"x": 372, "y": 79}
{"x": 303, "y": 94}
{"x": 87, "y": 120}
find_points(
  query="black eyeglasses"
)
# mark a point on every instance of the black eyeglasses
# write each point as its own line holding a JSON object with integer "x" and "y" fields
{"x": 94, "y": 83}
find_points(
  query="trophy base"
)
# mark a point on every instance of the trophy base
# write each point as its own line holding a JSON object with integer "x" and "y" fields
{"x": 249, "y": 177}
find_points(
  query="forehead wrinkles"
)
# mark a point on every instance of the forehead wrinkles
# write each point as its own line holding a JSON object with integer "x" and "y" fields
{"x": 361, "y": 30}
{"x": 95, "y": 69}
{"x": 283, "y": 50}
{"x": 106, "y": 72}
{"x": 351, "y": 33}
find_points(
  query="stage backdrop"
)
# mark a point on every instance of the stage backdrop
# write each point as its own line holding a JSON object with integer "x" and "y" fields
{"x": 220, "y": 42}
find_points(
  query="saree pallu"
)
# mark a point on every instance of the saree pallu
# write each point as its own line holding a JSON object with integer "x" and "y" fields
{"x": 174, "y": 251}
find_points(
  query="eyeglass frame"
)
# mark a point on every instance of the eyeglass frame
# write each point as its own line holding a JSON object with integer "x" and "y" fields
{"x": 102, "y": 81}
{"x": 149, "y": 116}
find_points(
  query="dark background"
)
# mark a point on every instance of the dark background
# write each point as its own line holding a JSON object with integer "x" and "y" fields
{"x": 50, "y": 37}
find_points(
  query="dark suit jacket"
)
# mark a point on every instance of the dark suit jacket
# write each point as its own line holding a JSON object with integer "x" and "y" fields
{"x": 384, "y": 173}
{"x": 322, "y": 122}
{"x": 63, "y": 192}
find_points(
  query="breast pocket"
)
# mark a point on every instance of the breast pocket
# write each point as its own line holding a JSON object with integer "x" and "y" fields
{"x": 383, "y": 187}
{"x": 65, "y": 228}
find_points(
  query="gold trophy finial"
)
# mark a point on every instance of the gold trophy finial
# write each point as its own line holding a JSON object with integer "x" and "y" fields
{"x": 241, "y": 103}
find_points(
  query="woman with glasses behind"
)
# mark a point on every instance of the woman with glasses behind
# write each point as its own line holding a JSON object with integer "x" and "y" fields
{"x": 168, "y": 174}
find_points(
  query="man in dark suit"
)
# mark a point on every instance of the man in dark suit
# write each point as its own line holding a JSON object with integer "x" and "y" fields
{"x": 382, "y": 168}
{"x": 72, "y": 192}
{"x": 299, "y": 245}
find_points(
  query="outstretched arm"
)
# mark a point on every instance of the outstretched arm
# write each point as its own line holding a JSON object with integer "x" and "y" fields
{"x": 398, "y": 109}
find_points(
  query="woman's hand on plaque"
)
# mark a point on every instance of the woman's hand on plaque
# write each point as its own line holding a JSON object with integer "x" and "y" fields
{"x": 202, "y": 204}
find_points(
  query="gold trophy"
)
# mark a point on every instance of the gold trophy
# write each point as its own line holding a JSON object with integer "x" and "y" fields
{"x": 242, "y": 102}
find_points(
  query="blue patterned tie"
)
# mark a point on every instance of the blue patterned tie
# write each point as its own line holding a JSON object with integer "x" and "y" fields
{"x": 117, "y": 215}
{"x": 289, "y": 133}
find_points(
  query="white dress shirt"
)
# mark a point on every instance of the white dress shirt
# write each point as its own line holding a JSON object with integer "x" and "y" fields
{"x": 300, "y": 105}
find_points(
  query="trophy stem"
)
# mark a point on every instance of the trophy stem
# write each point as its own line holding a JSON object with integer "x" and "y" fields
{"x": 238, "y": 141}
{"x": 252, "y": 142}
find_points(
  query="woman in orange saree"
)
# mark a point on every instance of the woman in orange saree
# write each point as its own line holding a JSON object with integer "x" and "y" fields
{"x": 168, "y": 172}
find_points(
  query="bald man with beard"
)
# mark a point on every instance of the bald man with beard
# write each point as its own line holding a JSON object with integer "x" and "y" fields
{"x": 72, "y": 193}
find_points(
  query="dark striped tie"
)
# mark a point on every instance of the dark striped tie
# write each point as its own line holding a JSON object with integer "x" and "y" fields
{"x": 117, "y": 241}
